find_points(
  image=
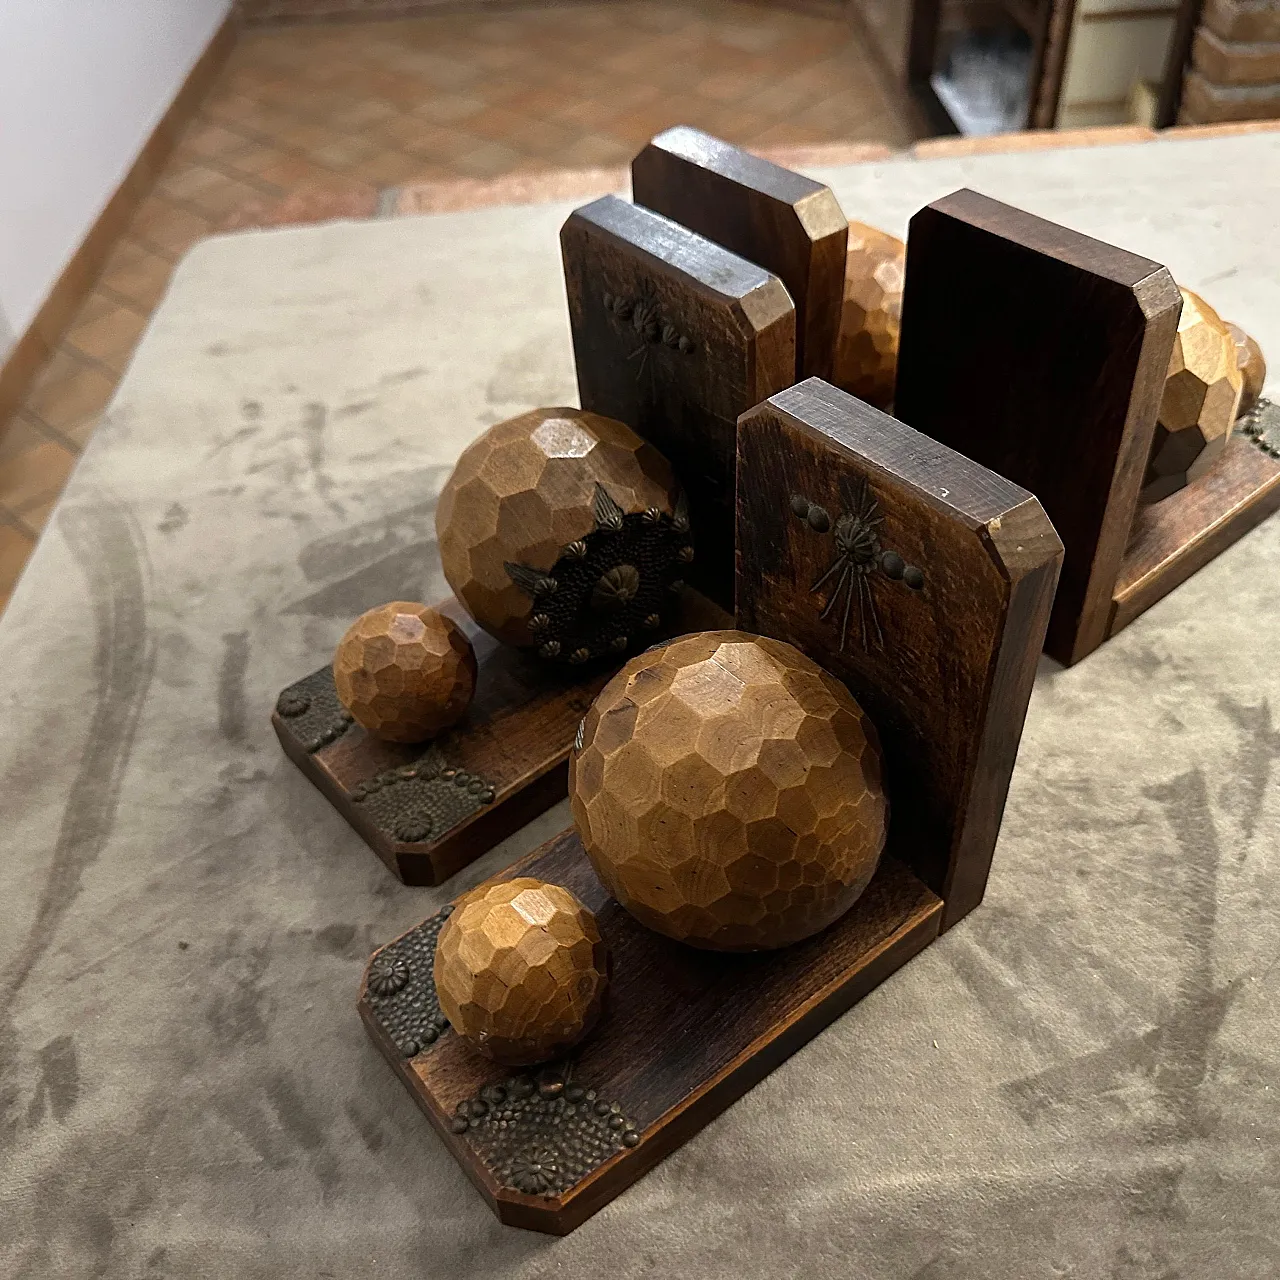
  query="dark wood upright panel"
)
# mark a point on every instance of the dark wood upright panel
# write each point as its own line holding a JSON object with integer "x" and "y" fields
{"x": 676, "y": 336}
{"x": 783, "y": 221}
{"x": 923, "y": 581}
{"x": 1041, "y": 354}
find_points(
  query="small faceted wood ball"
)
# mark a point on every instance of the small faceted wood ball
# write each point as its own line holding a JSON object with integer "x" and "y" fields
{"x": 521, "y": 970}
{"x": 728, "y": 792}
{"x": 405, "y": 672}
{"x": 1200, "y": 402}
{"x": 564, "y": 531}
{"x": 1252, "y": 366}
{"x": 867, "y": 346}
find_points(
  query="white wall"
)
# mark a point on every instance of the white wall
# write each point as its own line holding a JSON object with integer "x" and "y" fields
{"x": 82, "y": 85}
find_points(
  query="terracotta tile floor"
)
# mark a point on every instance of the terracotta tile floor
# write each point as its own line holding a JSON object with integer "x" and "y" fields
{"x": 313, "y": 114}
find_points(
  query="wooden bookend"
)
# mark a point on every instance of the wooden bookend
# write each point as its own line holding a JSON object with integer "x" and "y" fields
{"x": 1042, "y": 354}
{"x": 686, "y": 1032}
{"x": 784, "y": 222}
{"x": 676, "y": 336}
{"x": 924, "y": 582}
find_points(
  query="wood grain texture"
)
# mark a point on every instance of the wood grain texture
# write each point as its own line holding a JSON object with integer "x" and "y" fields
{"x": 784, "y": 222}
{"x": 944, "y": 668}
{"x": 405, "y": 672}
{"x": 637, "y": 284}
{"x": 684, "y": 1033}
{"x": 1041, "y": 354}
{"x": 866, "y": 359}
{"x": 521, "y": 970}
{"x": 515, "y": 737}
{"x": 1173, "y": 538}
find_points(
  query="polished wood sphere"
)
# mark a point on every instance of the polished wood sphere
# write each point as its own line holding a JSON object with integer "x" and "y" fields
{"x": 1200, "y": 401}
{"x": 521, "y": 970}
{"x": 866, "y": 360}
{"x": 728, "y": 792}
{"x": 562, "y": 530}
{"x": 405, "y": 672}
{"x": 1252, "y": 365}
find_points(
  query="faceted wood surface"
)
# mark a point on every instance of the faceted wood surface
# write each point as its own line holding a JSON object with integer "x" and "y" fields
{"x": 405, "y": 672}
{"x": 784, "y": 222}
{"x": 1252, "y": 365}
{"x": 676, "y": 337}
{"x": 1200, "y": 402}
{"x": 520, "y": 970}
{"x": 920, "y": 580}
{"x": 866, "y": 360}
{"x": 1042, "y": 354}
{"x": 728, "y": 792}
{"x": 526, "y": 494}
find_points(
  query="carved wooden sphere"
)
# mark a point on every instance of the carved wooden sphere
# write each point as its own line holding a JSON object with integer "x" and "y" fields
{"x": 521, "y": 970}
{"x": 867, "y": 345}
{"x": 405, "y": 672}
{"x": 563, "y": 530}
{"x": 728, "y": 792}
{"x": 1201, "y": 396}
{"x": 1252, "y": 366}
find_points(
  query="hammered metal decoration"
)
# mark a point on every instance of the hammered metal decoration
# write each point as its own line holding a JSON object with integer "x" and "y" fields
{"x": 542, "y": 1135}
{"x": 608, "y": 588}
{"x": 401, "y": 991}
{"x": 421, "y": 801}
{"x": 1261, "y": 427}
{"x": 416, "y": 802}
{"x": 316, "y": 717}
{"x": 859, "y": 555}
{"x": 641, "y": 317}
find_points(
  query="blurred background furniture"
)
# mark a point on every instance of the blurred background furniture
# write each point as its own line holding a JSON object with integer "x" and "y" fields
{"x": 993, "y": 66}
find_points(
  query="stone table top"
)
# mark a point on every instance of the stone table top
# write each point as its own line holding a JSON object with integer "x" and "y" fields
{"x": 185, "y": 1087}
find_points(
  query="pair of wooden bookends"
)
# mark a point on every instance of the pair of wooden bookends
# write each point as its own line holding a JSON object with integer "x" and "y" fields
{"x": 905, "y": 560}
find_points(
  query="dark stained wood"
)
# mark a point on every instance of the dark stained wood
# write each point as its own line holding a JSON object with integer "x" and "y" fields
{"x": 1053, "y": 42}
{"x": 1041, "y": 354}
{"x": 516, "y": 737}
{"x": 945, "y": 671}
{"x": 1174, "y": 537}
{"x": 784, "y": 222}
{"x": 1177, "y": 59}
{"x": 739, "y": 325}
{"x": 684, "y": 1033}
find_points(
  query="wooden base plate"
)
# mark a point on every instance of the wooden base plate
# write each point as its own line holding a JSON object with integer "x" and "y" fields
{"x": 684, "y": 1034}
{"x": 1175, "y": 537}
{"x": 429, "y": 809}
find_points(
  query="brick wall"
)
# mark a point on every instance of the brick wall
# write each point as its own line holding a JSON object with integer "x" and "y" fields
{"x": 1235, "y": 64}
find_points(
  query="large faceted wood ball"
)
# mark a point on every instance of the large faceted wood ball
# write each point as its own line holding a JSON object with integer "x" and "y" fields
{"x": 728, "y": 792}
{"x": 867, "y": 346}
{"x": 1201, "y": 397}
{"x": 521, "y": 970}
{"x": 563, "y": 530}
{"x": 405, "y": 672}
{"x": 1252, "y": 366}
